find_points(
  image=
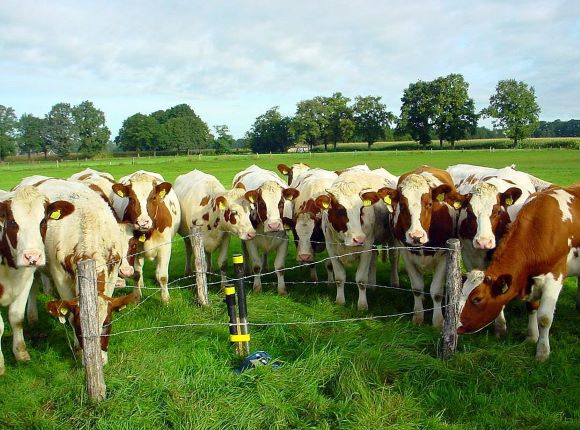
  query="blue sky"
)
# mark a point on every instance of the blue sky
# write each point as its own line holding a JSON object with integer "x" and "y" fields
{"x": 231, "y": 61}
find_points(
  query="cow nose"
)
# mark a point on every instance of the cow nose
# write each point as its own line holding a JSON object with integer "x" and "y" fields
{"x": 248, "y": 236}
{"x": 274, "y": 226}
{"x": 417, "y": 234}
{"x": 305, "y": 257}
{"x": 32, "y": 257}
{"x": 485, "y": 243}
{"x": 143, "y": 225}
{"x": 126, "y": 272}
{"x": 359, "y": 240}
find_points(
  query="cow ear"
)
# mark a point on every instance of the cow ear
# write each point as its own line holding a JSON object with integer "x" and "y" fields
{"x": 119, "y": 303}
{"x": 369, "y": 198}
{"x": 323, "y": 202}
{"x": 240, "y": 185}
{"x": 389, "y": 196}
{"x": 61, "y": 308}
{"x": 221, "y": 202}
{"x": 163, "y": 189}
{"x": 501, "y": 285}
{"x": 509, "y": 196}
{"x": 252, "y": 196}
{"x": 439, "y": 193}
{"x": 457, "y": 200}
{"x": 290, "y": 193}
{"x": 121, "y": 190}
{"x": 284, "y": 169}
{"x": 59, "y": 209}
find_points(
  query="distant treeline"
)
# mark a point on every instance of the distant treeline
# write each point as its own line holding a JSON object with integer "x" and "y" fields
{"x": 558, "y": 128}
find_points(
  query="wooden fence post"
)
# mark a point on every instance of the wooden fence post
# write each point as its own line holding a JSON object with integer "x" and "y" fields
{"x": 91, "y": 332}
{"x": 200, "y": 266}
{"x": 453, "y": 294}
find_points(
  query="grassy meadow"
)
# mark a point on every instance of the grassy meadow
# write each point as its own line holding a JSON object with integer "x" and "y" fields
{"x": 381, "y": 373}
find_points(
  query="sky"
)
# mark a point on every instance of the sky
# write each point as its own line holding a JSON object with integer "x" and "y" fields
{"x": 232, "y": 61}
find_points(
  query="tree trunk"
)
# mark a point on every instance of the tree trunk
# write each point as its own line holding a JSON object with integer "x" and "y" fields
{"x": 369, "y": 146}
{"x": 440, "y": 142}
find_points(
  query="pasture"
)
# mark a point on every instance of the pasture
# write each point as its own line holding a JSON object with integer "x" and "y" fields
{"x": 381, "y": 373}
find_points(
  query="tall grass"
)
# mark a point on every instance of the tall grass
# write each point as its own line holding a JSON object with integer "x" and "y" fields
{"x": 350, "y": 375}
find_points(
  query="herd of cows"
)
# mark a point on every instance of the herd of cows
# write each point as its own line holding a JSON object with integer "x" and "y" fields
{"x": 520, "y": 236}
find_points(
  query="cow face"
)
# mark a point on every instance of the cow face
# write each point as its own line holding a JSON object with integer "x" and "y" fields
{"x": 484, "y": 217}
{"x": 413, "y": 202}
{"x": 483, "y": 298}
{"x": 131, "y": 245}
{"x": 146, "y": 208}
{"x": 234, "y": 211}
{"x": 268, "y": 201}
{"x": 23, "y": 222}
{"x": 70, "y": 309}
{"x": 348, "y": 211}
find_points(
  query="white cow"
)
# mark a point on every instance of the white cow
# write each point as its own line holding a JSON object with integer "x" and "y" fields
{"x": 24, "y": 216}
{"x": 267, "y": 192}
{"x": 149, "y": 203}
{"x": 205, "y": 203}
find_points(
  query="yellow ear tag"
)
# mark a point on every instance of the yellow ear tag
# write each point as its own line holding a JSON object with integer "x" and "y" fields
{"x": 285, "y": 172}
{"x": 387, "y": 200}
{"x": 367, "y": 203}
{"x": 120, "y": 193}
{"x": 142, "y": 238}
{"x": 221, "y": 206}
{"x": 457, "y": 205}
{"x": 55, "y": 214}
{"x": 251, "y": 199}
{"x": 162, "y": 193}
{"x": 63, "y": 311}
{"x": 325, "y": 205}
{"x": 509, "y": 201}
{"x": 441, "y": 197}
{"x": 289, "y": 198}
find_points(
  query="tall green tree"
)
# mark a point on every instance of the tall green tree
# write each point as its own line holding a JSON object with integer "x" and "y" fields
{"x": 309, "y": 122}
{"x": 270, "y": 132}
{"x": 339, "y": 122}
{"x": 515, "y": 109}
{"x": 90, "y": 124}
{"x": 182, "y": 129}
{"x": 139, "y": 133}
{"x": 224, "y": 141}
{"x": 454, "y": 116}
{"x": 417, "y": 109}
{"x": 8, "y": 124}
{"x": 30, "y": 133}
{"x": 371, "y": 118}
{"x": 60, "y": 133}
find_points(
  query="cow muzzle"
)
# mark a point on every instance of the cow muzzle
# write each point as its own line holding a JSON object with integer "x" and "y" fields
{"x": 143, "y": 225}
{"x": 484, "y": 243}
{"x": 305, "y": 258}
{"x": 273, "y": 226}
{"x": 32, "y": 257}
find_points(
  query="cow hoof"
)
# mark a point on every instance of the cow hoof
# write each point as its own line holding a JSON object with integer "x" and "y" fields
{"x": 363, "y": 307}
{"x": 2, "y": 370}
{"x": 22, "y": 356}
{"x": 542, "y": 356}
{"x": 257, "y": 288}
{"x": 137, "y": 295}
{"x": 500, "y": 332}
{"x": 165, "y": 299}
{"x": 282, "y": 292}
{"x": 418, "y": 319}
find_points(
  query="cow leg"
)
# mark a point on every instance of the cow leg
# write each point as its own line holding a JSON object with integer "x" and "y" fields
{"x": 2, "y": 368}
{"x": 329, "y": 272}
{"x": 313, "y": 274}
{"x": 372, "y": 274}
{"x": 223, "y": 260}
{"x": 16, "y": 316}
{"x": 139, "y": 261}
{"x": 362, "y": 278}
{"x": 257, "y": 262}
{"x": 279, "y": 263}
{"x": 500, "y": 325}
{"x": 417, "y": 285}
{"x": 32, "y": 306}
{"x": 394, "y": 260}
{"x": 550, "y": 292}
{"x": 162, "y": 270}
{"x": 533, "y": 330}
{"x": 188, "y": 256}
{"x": 208, "y": 262}
{"x": 437, "y": 293}
{"x": 339, "y": 275}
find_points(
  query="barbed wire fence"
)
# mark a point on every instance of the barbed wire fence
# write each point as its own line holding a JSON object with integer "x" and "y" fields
{"x": 239, "y": 329}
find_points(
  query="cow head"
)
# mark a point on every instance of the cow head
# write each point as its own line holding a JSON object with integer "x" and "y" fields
{"x": 348, "y": 210}
{"x": 292, "y": 171}
{"x": 234, "y": 210}
{"x": 70, "y": 309}
{"x": 131, "y": 245}
{"x": 145, "y": 208}
{"x": 23, "y": 221}
{"x": 268, "y": 201}
{"x": 483, "y": 298}
{"x": 413, "y": 202}
{"x": 484, "y": 216}
{"x": 307, "y": 229}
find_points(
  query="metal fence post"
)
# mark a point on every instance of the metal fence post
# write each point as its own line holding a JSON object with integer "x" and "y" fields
{"x": 453, "y": 294}
{"x": 244, "y": 348}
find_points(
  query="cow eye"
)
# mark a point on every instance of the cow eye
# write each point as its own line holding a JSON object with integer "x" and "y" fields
{"x": 476, "y": 300}
{"x": 430, "y": 204}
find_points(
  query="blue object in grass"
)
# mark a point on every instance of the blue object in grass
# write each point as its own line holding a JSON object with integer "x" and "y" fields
{"x": 258, "y": 358}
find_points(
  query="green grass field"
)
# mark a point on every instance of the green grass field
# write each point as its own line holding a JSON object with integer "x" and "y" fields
{"x": 366, "y": 374}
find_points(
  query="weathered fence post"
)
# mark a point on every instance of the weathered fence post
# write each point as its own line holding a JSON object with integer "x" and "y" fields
{"x": 244, "y": 345}
{"x": 91, "y": 332}
{"x": 200, "y": 266}
{"x": 453, "y": 294}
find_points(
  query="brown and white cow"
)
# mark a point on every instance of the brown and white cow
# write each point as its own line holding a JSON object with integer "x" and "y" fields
{"x": 149, "y": 204}
{"x": 293, "y": 171}
{"x": 307, "y": 218}
{"x": 100, "y": 182}
{"x": 540, "y": 249}
{"x": 205, "y": 203}
{"x": 88, "y": 231}
{"x": 269, "y": 195}
{"x": 352, "y": 223}
{"x": 424, "y": 216}
{"x": 24, "y": 216}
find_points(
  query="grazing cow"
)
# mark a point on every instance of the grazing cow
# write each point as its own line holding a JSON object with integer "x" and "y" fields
{"x": 424, "y": 216}
{"x": 150, "y": 205}
{"x": 24, "y": 216}
{"x": 293, "y": 171}
{"x": 88, "y": 231}
{"x": 307, "y": 218}
{"x": 352, "y": 223}
{"x": 267, "y": 193}
{"x": 541, "y": 248}
{"x": 219, "y": 213}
